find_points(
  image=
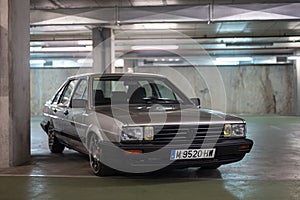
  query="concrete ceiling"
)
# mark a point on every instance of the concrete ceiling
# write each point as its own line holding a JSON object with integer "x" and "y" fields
{"x": 56, "y": 4}
{"x": 273, "y": 29}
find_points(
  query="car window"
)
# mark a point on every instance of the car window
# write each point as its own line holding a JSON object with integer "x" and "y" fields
{"x": 147, "y": 87}
{"x": 58, "y": 94}
{"x": 81, "y": 90}
{"x": 135, "y": 91}
{"x": 108, "y": 87}
{"x": 164, "y": 91}
{"x": 65, "y": 98}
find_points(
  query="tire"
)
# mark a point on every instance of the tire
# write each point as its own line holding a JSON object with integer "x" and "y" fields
{"x": 95, "y": 153}
{"x": 54, "y": 145}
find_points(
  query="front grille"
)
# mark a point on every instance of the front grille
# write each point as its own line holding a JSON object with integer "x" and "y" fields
{"x": 187, "y": 134}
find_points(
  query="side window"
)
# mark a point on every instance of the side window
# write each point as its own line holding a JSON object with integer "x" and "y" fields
{"x": 81, "y": 90}
{"x": 65, "y": 98}
{"x": 165, "y": 92}
{"x": 57, "y": 95}
{"x": 147, "y": 86}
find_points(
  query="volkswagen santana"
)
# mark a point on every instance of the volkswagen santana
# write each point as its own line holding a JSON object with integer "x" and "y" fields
{"x": 140, "y": 123}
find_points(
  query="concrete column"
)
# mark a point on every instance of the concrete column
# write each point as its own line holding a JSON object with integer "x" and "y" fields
{"x": 297, "y": 88}
{"x": 14, "y": 83}
{"x": 103, "y": 50}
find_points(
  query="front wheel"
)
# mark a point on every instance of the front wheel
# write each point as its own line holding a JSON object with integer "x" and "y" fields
{"x": 54, "y": 145}
{"x": 95, "y": 153}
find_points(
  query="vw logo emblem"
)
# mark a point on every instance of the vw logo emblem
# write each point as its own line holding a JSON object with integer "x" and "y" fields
{"x": 191, "y": 133}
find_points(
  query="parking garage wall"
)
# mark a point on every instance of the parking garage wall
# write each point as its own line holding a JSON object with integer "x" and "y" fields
{"x": 44, "y": 82}
{"x": 248, "y": 89}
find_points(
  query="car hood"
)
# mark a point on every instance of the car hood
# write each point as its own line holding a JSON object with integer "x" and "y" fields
{"x": 140, "y": 115}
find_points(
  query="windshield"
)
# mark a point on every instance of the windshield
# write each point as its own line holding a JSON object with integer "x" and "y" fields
{"x": 135, "y": 90}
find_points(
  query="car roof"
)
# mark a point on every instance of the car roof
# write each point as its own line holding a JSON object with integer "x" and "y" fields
{"x": 117, "y": 74}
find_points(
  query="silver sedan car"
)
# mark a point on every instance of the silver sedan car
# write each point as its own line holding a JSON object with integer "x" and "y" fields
{"x": 139, "y": 123}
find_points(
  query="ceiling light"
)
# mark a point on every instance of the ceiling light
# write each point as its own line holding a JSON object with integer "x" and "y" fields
{"x": 159, "y": 25}
{"x": 163, "y": 59}
{"x": 215, "y": 62}
{"x": 85, "y": 42}
{"x": 171, "y": 59}
{"x": 37, "y": 62}
{"x": 85, "y": 61}
{"x": 293, "y": 57}
{"x": 177, "y": 59}
{"x": 119, "y": 63}
{"x": 155, "y": 47}
{"x": 233, "y": 59}
{"x": 62, "y": 49}
{"x": 232, "y": 44}
{"x": 38, "y": 48}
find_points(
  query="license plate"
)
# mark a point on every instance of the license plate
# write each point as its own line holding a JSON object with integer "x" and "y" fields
{"x": 192, "y": 154}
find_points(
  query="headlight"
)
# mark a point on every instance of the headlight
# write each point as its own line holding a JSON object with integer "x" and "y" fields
{"x": 137, "y": 133}
{"x": 234, "y": 130}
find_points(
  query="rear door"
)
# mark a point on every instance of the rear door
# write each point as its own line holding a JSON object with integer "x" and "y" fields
{"x": 62, "y": 110}
{"x": 54, "y": 107}
{"x": 75, "y": 125}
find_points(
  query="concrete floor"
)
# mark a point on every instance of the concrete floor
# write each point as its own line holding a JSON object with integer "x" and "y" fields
{"x": 270, "y": 171}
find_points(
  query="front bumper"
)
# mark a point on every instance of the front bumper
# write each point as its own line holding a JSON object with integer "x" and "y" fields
{"x": 44, "y": 124}
{"x": 159, "y": 157}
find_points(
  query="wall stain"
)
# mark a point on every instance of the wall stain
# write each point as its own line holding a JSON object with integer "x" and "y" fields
{"x": 270, "y": 97}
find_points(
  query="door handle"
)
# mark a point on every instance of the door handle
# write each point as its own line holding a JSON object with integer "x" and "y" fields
{"x": 66, "y": 112}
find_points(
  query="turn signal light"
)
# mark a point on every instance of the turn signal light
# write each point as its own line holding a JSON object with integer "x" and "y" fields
{"x": 136, "y": 151}
{"x": 243, "y": 147}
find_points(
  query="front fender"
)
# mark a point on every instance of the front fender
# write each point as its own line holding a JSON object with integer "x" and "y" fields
{"x": 107, "y": 128}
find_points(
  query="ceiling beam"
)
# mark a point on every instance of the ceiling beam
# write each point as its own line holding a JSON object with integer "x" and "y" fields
{"x": 160, "y": 14}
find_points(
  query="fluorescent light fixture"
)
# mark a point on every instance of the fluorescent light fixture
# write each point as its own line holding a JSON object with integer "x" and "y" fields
{"x": 215, "y": 62}
{"x": 159, "y": 25}
{"x": 62, "y": 49}
{"x": 249, "y": 44}
{"x": 233, "y": 59}
{"x": 155, "y": 47}
{"x": 33, "y": 49}
{"x": 85, "y": 42}
{"x": 85, "y": 61}
{"x": 37, "y": 62}
{"x": 293, "y": 58}
{"x": 119, "y": 63}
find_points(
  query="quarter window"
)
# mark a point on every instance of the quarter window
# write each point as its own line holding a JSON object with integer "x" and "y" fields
{"x": 58, "y": 94}
{"x": 65, "y": 98}
{"x": 81, "y": 90}
{"x": 164, "y": 91}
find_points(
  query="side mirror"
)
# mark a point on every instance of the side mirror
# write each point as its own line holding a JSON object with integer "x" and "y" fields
{"x": 78, "y": 103}
{"x": 196, "y": 102}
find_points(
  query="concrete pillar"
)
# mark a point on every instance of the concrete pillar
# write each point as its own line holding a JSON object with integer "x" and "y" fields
{"x": 103, "y": 50}
{"x": 297, "y": 88}
{"x": 14, "y": 83}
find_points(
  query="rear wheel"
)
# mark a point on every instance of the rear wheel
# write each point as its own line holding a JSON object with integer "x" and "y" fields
{"x": 54, "y": 145}
{"x": 95, "y": 153}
